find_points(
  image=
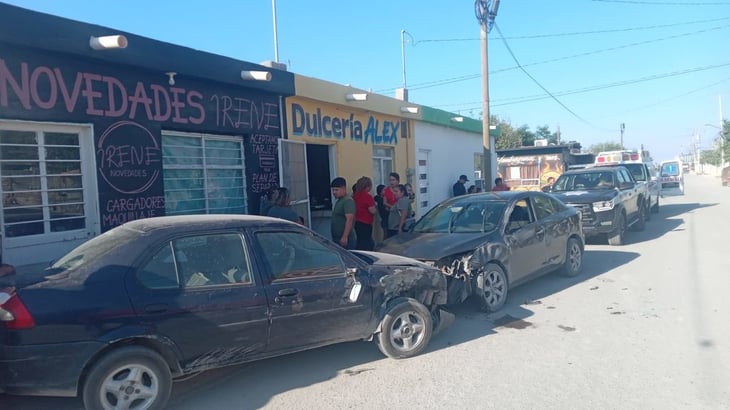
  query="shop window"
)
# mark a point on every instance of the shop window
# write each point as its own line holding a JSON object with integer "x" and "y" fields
{"x": 203, "y": 174}
{"x": 42, "y": 181}
{"x": 382, "y": 165}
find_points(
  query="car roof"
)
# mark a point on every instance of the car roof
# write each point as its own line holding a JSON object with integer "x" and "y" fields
{"x": 595, "y": 169}
{"x": 201, "y": 221}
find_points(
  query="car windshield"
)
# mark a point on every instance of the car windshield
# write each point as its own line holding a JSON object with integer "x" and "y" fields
{"x": 584, "y": 181}
{"x": 93, "y": 248}
{"x": 468, "y": 215}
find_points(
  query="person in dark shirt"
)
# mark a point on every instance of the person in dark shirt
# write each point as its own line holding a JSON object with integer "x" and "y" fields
{"x": 459, "y": 188}
{"x": 382, "y": 209}
{"x": 282, "y": 207}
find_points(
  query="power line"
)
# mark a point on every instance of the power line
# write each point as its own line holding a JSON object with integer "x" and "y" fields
{"x": 531, "y": 98}
{"x": 437, "y": 83}
{"x": 667, "y": 3}
{"x": 678, "y": 96}
{"x": 535, "y": 80}
{"x": 579, "y": 33}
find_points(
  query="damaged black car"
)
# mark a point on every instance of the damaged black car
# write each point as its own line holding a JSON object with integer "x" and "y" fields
{"x": 120, "y": 317}
{"x": 488, "y": 243}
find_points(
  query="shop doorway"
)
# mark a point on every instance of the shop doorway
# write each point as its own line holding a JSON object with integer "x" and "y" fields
{"x": 293, "y": 171}
{"x": 49, "y": 192}
{"x": 423, "y": 182}
{"x": 320, "y": 172}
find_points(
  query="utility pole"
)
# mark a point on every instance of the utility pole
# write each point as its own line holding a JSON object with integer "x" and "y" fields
{"x": 486, "y": 12}
{"x": 276, "y": 36}
{"x": 623, "y": 127}
{"x": 722, "y": 135}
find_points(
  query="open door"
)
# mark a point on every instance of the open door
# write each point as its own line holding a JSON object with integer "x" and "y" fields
{"x": 293, "y": 174}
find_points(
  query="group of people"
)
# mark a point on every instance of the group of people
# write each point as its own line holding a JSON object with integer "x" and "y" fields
{"x": 459, "y": 187}
{"x": 353, "y": 216}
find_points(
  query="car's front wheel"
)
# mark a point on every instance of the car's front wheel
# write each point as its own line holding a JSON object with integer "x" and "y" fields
{"x": 491, "y": 288}
{"x": 573, "y": 258}
{"x": 405, "y": 330}
{"x": 616, "y": 237}
{"x": 128, "y": 378}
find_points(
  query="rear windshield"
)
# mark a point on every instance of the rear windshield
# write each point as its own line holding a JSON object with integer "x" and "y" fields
{"x": 94, "y": 248}
{"x": 670, "y": 169}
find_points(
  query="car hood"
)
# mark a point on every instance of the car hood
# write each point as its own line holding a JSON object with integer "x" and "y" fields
{"x": 399, "y": 275}
{"x": 433, "y": 246}
{"x": 585, "y": 196}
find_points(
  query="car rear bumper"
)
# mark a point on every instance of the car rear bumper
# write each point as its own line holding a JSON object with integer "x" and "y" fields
{"x": 44, "y": 370}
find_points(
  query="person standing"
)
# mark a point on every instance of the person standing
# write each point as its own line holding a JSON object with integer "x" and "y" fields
{"x": 399, "y": 212}
{"x": 343, "y": 215}
{"x": 499, "y": 185}
{"x": 459, "y": 188}
{"x": 282, "y": 207}
{"x": 382, "y": 210}
{"x": 364, "y": 214}
{"x": 389, "y": 192}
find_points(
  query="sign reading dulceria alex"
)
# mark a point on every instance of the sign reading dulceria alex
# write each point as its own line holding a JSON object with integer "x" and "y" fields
{"x": 322, "y": 120}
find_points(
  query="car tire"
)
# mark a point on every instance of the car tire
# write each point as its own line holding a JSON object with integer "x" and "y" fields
{"x": 647, "y": 211}
{"x": 616, "y": 237}
{"x": 405, "y": 330}
{"x": 640, "y": 223}
{"x": 573, "y": 259}
{"x": 491, "y": 288}
{"x": 136, "y": 376}
{"x": 655, "y": 207}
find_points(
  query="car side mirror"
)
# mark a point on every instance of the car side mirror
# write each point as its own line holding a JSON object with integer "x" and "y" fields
{"x": 547, "y": 188}
{"x": 626, "y": 185}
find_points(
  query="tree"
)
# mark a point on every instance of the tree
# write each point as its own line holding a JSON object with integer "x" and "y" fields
{"x": 605, "y": 146}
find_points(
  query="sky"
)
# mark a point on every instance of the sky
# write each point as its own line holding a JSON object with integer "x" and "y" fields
{"x": 660, "y": 67}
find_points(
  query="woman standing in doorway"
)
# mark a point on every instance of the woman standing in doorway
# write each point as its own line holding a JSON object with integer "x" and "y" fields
{"x": 364, "y": 214}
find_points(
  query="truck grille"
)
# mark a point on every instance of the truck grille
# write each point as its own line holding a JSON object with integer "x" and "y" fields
{"x": 586, "y": 212}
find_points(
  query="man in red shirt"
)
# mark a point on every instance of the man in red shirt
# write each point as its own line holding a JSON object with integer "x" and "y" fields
{"x": 389, "y": 191}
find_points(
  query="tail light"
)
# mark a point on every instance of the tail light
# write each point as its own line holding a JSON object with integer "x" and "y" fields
{"x": 13, "y": 313}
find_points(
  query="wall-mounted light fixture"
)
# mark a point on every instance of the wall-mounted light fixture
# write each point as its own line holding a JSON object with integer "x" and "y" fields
{"x": 108, "y": 42}
{"x": 356, "y": 97}
{"x": 171, "y": 77}
{"x": 254, "y": 75}
{"x": 457, "y": 119}
{"x": 409, "y": 110}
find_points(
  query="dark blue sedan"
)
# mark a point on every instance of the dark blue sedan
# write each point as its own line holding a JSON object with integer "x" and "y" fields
{"x": 119, "y": 317}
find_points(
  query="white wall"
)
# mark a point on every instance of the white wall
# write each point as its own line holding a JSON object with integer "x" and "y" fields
{"x": 451, "y": 154}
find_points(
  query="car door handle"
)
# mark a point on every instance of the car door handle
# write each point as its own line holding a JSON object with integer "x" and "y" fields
{"x": 540, "y": 231}
{"x": 156, "y": 308}
{"x": 288, "y": 292}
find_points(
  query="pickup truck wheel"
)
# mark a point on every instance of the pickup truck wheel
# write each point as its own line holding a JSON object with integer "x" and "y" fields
{"x": 127, "y": 378}
{"x": 640, "y": 223}
{"x": 405, "y": 330}
{"x": 616, "y": 237}
{"x": 655, "y": 207}
{"x": 491, "y": 288}
{"x": 647, "y": 211}
{"x": 573, "y": 259}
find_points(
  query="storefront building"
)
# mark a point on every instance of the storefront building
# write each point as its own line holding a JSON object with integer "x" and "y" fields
{"x": 335, "y": 130}
{"x": 447, "y": 145}
{"x": 91, "y": 138}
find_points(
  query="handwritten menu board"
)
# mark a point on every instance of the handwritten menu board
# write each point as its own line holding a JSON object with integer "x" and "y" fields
{"x": 262, "y": 166}
{"x": 129, "y": 170}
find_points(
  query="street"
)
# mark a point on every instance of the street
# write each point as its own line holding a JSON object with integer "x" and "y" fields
{"x": 644, "y": 325}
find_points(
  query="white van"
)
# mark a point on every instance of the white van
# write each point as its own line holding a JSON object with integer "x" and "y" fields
{"x": 671, "y": 177}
